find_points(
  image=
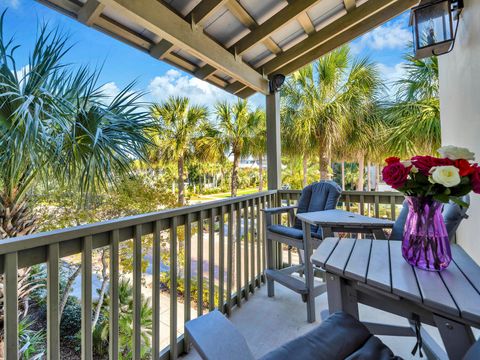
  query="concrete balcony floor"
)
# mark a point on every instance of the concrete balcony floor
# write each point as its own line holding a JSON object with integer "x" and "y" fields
{"x": 266, "y": 323}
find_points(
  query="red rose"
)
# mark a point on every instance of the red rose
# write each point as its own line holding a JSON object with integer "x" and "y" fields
{"x": 475, "y": 179}
{"x": 395, "y": 174}
{"x": 465, "y": 167}
{"x": 425, "y": 163}
{"x": 392, "y": 160}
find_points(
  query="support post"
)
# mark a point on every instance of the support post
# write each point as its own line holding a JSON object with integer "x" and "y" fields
{"x": 274, "y": 165}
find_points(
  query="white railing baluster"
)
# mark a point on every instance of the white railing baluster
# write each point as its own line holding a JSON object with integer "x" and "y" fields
{"x": 114, "y": 278}
{"x": 173, "y": 289}
{"x": 137, "y": 292}
{"x": 200, "y": 264}
{"x": 211, "y": 260}
{"x": 87, "y": 298}
{"x": 221, "y": 260}
{"x": 53, "y": 319}
{"x": 156, "y": 292}
{"x": 11, "y": 306}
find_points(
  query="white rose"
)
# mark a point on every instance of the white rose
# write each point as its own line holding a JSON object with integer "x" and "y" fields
{"x": 456, "y": 153}
{"x": 447, "y": 176}
{"x": 406, "y": 163}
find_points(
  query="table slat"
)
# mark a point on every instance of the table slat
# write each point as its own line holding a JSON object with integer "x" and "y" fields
{"x": 464, "y": 294}
{"x": 343, "y": 218}
{"x": 358, "y": 264}
{"x": 404, "y": 282}
{"x": 379, "y": 266}
{"x": 319, "y": 258}
{"x": 337, "y": 261}
{"x": 434, "y": 292}
{"x": 467, "y": 265}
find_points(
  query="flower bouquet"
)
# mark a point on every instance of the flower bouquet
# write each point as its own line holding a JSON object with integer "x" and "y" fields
{"x": 428, "y": 182}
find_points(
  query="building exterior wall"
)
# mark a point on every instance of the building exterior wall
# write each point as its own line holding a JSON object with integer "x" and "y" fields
{"x": 460, "y": 108}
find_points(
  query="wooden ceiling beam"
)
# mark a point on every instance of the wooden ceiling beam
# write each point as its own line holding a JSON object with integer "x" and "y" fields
{"x": 360, "y": 28}
{"x": 90, "y": 12}
{"x": 245, "y": 93}
{"x": 151, "y": 14}
{"x": 262, "y": 32}
{"x": 205, "y": 71}
{"x": 235, "y": 87}
{"x": 350, "y": 4}
{"x": 161, "y": 49}
{"x": 306, "y": 23}
{"x": 199, "y": 15}
{"x": 343, "y": 24}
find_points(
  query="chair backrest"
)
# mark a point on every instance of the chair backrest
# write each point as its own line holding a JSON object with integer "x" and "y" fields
{"x": 319, "y": 196}
{"x": 474, "y": 352}
{"x": 215, "y": 338}
{"x": 452, "y": 213}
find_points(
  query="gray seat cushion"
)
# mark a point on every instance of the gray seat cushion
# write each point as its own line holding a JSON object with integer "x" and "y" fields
{"x": 374, "y": 348}
{"x": 293, "y": 232}
{"x": 339, "y": 337}
{"x": 319, "y": 196}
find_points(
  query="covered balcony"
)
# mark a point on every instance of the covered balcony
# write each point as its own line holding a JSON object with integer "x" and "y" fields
{"x": 213, "y": 254}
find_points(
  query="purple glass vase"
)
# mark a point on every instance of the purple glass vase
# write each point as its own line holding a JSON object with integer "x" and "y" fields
{"x": 425, "y": 238}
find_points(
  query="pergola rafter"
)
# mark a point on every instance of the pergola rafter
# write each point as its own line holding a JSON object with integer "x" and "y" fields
{"x": 233, "y": 44}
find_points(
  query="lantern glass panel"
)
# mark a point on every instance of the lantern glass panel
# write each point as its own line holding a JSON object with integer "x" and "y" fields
{"x": 433, "y": 24}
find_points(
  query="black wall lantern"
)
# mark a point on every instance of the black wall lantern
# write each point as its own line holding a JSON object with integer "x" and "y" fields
{"x": 276, "y": 82}
{"x": 435, "y": 24}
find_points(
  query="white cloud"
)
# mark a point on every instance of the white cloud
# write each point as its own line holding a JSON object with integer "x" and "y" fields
{"x": 391, "y": 74}
{"x": 10, "y": 3}
{"x": 174, "y": 83}
{"x": 22, "y": 73}
{"x": 393, "y": 35}
{"x": 110, "y": 90}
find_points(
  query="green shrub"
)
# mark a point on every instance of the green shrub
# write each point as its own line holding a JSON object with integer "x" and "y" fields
{"x": 71, "y": 321}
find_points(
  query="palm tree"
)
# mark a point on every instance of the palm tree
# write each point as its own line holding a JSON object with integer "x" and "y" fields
{"x": 56, "y": 125}
{"x": 258, "y": 145}
{"x": 298, "y": 138}
{"x": 325, "y": 96}
{"x": 414, "y": 116}
{"x": 237, "y": 129}
{"x": 180, "y": 127}
{"x": 125, "y": 300}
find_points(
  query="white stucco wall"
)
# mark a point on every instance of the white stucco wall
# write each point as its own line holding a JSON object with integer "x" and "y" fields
{"x": 460, "y": 107}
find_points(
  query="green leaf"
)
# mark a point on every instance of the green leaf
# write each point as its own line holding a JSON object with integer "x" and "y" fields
{"x": 459, "y": 202}
{"x": 442, "y": 198}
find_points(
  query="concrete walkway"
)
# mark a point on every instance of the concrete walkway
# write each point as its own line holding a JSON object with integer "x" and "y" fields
{"x": 266, "y": 323}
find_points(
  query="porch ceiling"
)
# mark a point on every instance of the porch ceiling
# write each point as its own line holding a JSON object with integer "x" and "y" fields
{"x": 234, "y": 44}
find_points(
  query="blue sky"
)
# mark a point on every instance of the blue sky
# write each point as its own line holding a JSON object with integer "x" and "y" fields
{"x": 123, "y": 64}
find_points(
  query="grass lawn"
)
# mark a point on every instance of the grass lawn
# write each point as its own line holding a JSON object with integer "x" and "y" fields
{"x": 201, "y": 198}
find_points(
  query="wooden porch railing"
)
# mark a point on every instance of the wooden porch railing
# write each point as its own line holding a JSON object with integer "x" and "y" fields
{"x": 232, "y": 228}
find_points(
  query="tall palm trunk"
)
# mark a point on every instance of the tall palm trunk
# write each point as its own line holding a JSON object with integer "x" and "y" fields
{"x": 234, "y": 182}
{"x": 361, "y": 171}
{"x": 323, "y": 164}
{"x": 260, "y": 173}
{"x": 343, "y": 175}
{"x": 369, "y": 177}
{"x": 305, "y": 169}
{"x": 16, "y": 219}
{"x": 181, "y": 185}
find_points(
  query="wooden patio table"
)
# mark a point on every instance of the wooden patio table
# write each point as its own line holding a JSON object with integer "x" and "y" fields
{"x": 332, "y": 221}
{"x": 374, "y": 273}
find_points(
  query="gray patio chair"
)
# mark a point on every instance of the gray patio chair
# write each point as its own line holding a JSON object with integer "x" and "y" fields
{"x": 452, "y": 213}
{"x": 319, "y": 196}
{"x": 338, "y": 337}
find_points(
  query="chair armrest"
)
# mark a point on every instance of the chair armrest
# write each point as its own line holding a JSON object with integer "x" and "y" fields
{"x": 215, "y": 338}
{"x": 279, "y": 210}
